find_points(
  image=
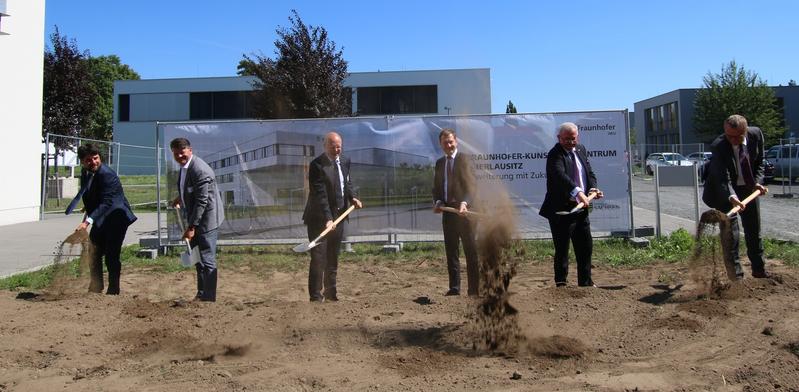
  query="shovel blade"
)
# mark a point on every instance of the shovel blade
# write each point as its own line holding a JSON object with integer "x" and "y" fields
{"x": 190, "y": 257}
{"x": 304, "y": 247}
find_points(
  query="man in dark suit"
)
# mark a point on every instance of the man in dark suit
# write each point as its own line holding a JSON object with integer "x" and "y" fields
{"x": 569, "y": 175}
{"x": 108, "y": 211}
{"x": 735, "y": 171}
{"x": 202, "y": 205}
{"x": 330, "y": 195}
{"x": 453, "y": 186}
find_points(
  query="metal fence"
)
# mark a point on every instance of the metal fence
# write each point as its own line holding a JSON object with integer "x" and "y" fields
{"x": 61, "y": 171}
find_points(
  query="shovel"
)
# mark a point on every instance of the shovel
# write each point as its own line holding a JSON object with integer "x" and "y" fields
{"x": 191, "y": 256}
{"x": 304, "y": 247}
{"x": 746, "y": 201}
{"x": 469, "y": 214}
{"x": 578, "y": 207}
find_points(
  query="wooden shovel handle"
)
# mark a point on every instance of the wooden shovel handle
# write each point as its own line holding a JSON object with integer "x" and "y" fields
{"x": 746, "y": 201}
{"x": 335, "y": 222}
{"x": 457, "y": 211}
{"x": 580, "y": 205}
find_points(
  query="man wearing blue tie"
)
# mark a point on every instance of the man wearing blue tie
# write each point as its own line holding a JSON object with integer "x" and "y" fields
{"x": 570, "y": 180}
{"x": 109, "y": 214}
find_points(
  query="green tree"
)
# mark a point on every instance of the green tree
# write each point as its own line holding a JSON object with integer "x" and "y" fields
{"x": 736, "y": 91}
{"x": 104, "y": 71}
{"x": 306, "y": 79}
{"x": 792, "y": 83}
{"x": 510, "y": 108}
{"x": 69, "y": 97}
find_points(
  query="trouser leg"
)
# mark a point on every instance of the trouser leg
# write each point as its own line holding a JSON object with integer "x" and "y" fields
{"x": 561, "y": 228}
{"x": 583, "y": 248}
{"x": 466, "y": 232}
{"x": 451, "y": 245}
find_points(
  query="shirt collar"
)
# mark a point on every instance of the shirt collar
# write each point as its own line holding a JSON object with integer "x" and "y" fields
{"x": 454, "y": 154}
{"x": 186, "y": 166}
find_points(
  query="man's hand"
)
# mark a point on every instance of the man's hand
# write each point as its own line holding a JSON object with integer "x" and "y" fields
{"x": 599, "y": 194}
{"x": 330, "y": 225}
{"x": 762, "y": 188}
{"x": 357, "y": 203}
{"x": 462, "y": 211}
{"x": 737, "y": 203}
{"x": 582, "y": 198}
{"x": 189, "y": 233}
{"x": 82, "y": 226}
{"x": 437, "y": 207}
{"x": 176, "y": 203}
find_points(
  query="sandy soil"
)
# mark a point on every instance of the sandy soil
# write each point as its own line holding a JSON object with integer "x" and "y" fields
{"x": 643, "y": 329}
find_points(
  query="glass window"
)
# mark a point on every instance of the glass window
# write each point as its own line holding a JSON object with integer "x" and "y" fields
{"x": 124, "y": 107}
{"x": 398, "y": 100}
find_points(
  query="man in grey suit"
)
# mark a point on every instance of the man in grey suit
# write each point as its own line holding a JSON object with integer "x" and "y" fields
{"x": 203, "y": 208}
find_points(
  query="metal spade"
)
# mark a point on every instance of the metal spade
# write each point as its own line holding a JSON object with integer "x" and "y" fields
{"x": 192, "y": 255}
{"x": 304, "y": 247}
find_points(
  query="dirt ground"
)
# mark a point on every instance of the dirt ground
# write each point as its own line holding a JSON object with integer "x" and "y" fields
{"x": 642, "y": 329}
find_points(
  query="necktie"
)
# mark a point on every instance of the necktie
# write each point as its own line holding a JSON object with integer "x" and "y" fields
{"x": 746, "y": 167}
{"x": 74, "y": 202}
{"x": 575, "y": 171}
{"x": 340, "y": 194}
{"x": 450, "y": 178}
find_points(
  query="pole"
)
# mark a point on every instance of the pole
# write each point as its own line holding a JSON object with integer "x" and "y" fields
{"x": 46, "y": 163}
{"x": 657, "y": 202}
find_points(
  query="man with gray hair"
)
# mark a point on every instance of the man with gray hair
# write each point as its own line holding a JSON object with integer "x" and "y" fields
{"x": 570, "y": 180}
{"x": 735, "y": 171}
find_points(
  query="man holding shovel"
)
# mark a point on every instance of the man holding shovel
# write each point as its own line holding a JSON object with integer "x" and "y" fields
{"x": 330, "y": 194}
{"x": 108, "y": 211}
{"x": 200, "y": 201}
{"x": 571, "y": 184}
{"x": 735, "y": 171}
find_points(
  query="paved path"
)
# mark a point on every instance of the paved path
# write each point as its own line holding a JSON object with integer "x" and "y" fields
{"x": 31, "y": 245}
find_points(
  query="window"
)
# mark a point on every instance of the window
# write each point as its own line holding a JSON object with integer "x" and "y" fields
{"x": 221, "y": 105}
{"x": 124, "y": 107}
{"x": 398, "y": 100}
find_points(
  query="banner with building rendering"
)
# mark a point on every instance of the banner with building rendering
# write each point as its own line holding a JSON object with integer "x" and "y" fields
{"x": 261, "y": 168}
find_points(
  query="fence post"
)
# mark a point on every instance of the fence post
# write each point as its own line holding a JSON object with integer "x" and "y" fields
{"x": 45, "y": 170}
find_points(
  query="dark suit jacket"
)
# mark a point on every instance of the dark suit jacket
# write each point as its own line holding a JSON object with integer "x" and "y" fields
{"x": 722, "y": 170}
{"x": 322, "y": 179}
{"x": 204, "y": 205}
{"x": 559, "y": 181}
{"x": 463, "y": 188}
{"x": 105, "y": 200}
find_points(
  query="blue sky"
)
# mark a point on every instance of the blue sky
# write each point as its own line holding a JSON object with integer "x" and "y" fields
{"x": 544, "y": 56}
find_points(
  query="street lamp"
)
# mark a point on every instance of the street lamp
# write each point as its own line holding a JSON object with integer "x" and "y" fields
{"x": 447, "y": 108}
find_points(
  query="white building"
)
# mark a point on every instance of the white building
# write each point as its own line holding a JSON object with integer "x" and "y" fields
{"x": 139, "y": 104}
{"x": 21, "y": 64}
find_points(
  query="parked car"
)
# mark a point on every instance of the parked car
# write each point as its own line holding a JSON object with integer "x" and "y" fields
{"x": 768, "y": 172}
{"x": 699, "y": 158}
{"x": 665, "y": 159}
{"x": 785, "y": 159}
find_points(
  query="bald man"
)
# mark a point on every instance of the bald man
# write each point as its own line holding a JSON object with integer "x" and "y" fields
{"x": 330, "y": 195}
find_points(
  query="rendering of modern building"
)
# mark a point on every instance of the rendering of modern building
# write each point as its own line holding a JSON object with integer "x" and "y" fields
{"x": 21, "y": 45}
{"x": 667, "y": 119}
{"x": 139, "y": 104}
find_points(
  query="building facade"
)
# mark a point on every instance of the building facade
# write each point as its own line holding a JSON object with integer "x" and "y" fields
{"x": 140, "y": 104}
{"x": 667, "y": 119}
{"x": 21, "y": 45}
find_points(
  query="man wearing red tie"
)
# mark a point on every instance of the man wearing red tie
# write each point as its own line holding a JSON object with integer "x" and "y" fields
{"x": 735, "y": 171}
{"x": 453, "y": 186}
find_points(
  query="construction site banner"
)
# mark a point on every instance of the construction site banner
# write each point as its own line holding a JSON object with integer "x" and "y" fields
{"x": 262, "y": 168}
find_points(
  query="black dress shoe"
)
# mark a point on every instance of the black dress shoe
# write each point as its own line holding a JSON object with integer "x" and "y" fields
{"x": 760, "y": 274}
{"x": 316, "y": 299}
{"x": 332, "y": 298}
{"x": 452, "y": 292}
